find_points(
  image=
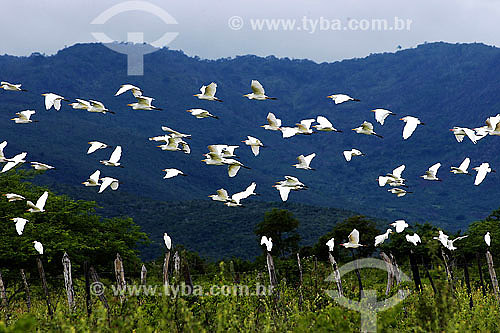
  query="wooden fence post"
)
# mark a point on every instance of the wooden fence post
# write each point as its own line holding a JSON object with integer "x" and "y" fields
{"x": 480, "y": 269}
{"x": 272, "y": 272}
{"x": 120, "y": 277}
{"x": 177, "y": 265}
{"x": 428, "y": 274}
{"x": 68, "y": 282}
{"x": 26, "y": 290}
{"x": 467, "y": 282}
{"x": 449, "y": 272}
{"x": 44, "y": 284}
{"x": 336, "y": 274}
{"x": 300, "y": 269}
{"x": 358, "y": 275}
{"x": 87, "y": 288}
{"x": 187, "y": 275}
{"x": 144, "y": 272}
{"x": 415, "y": 272}
{"x": 3, "y": 294}
{"x": 165, "y": 268}
{"x": 95, "y": 279}
{"x": 390, "y": 272}
{"x": 493, "y": 274}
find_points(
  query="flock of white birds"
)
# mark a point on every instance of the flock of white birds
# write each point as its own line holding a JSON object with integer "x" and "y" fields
{"x": 224, "y": 155}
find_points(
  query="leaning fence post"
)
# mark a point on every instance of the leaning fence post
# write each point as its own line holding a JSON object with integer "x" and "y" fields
{"x": 449, "y": 272}
{"x": 493, "y": 274}
{"x": 100, "y": 291}
{"x": 272, "y": 272}
{"x": 415, "y": 272}
{"x": 26, "y": 290}
{"x": 144, "y": 272}
{"x": 187, "y": 275}
{"x": 68, "y": 282}
{"x": 120, "y": 277}
{"x": 165, "y": 268}
{"x": 44, "y": 284}
{"x": 177, "y": 265}
{"x": 3, "y": 294}
{"x": 336, "y": 274}
{"x": 390, "y": 272}
{"x": 467, "y": 282}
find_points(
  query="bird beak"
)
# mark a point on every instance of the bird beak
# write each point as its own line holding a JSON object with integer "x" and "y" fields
{"x": 372, "y": 110}
{"x": 329, "y": 96}
{"x": 353, "y": 129}
{"x": 129, "y": 104}
{"x": 400, "y": 118}
{"x": 189, "y": 110}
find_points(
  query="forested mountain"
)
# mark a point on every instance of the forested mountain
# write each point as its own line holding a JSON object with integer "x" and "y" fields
{"x": 445, "y": 85}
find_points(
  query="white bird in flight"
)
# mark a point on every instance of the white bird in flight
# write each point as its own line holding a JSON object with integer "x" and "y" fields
{"x": 461, "y": 132}
{"x": 41, "y": 166}
{"x": 414, "y": 239}
{"x": 462, "y": 168}
{"x": 258, "y": 93}
{"x": 136, "y": 91}
{"x": 220, "y": 196}
{"x": 341, "y": 98}
{"x": 109, "y": 181}
{"x": 95, "y": 145}
{"x": 12, "y": 87}
{"x": 482, "y": 171}
{"x": 11, "y": 197}
{"x": 399, "y": 192}
{"x": 114, "y": 158}
{"x": 40, "y": 204}
{"x": 170, "y": 173}
{"x": 324, "y": 125}
{"x": 349, "y": 154}
{"x": 367, "y": 129}
{"x": 254, "y": 144}
{"x": 12, "y": 162}
{"x": 353, "y": 240}
{"x": 273, "y": 123}
{"x": 304, "y": 162}
{"x": 98, "y": 107}
{"x": 2, "y": 147}
{"x": 381, "y": 114}
{"x": 237, "y": 197}
{"x": 174, "y": 133}
{"x": 411, "y": 125}
{"x": 304, "y": 127}
{"x": 144, "y": 103}
{"x": 400, "y": 225}
{"x": 93, "y": 179}
{"x": 382, "y": 238}
{"x": 168, "y": 241}
{"x": 208, "y": 92}
{"x": 200, "y": 113}
{"x": 268, "y": 242}
{"x": 431, "y": 173}
{"x": 81, "y": 104}
{"x": 38, "y": 247}
{"x": 23, "y": 117}
{"x": 53, "y": 100}
{"x": 20, "y": 223}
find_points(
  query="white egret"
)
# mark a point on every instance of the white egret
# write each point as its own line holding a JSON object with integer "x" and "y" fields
{"x": 109, "y": 181}
{"x": 414, "y": 239}
{"x": 12, "y": 87}
{"x": 2, "y": 147}
{"x": 200, "y": 113}
{"x": 174, "y": 133}
{"x": 11, "y": 197}
{"x": 431, "y": 173}
{"x": 93, "y": 179}
{"x": 220, "y": 196}
{"x": 254, "y": 144}
{"x": 304, "y": 127}
{"x": 172, "y": 144}
{"x": 81, "y": 104}
{"x": 20, "y": 223}
{"x": 462, "y": 168}
{"x": 487, "y": 238}
{"x": 273, "y": 123}
{"x": 304, "y": 162}
{"x": 136, "y": 91}
{"x": 23, "y": 117}
{"x": 98, "y": 107}
{"x": 330, "y": 244}
{"x": 12, "y": 162}
{"x": 482, "y": 171}
{"x": 461, "y": 132}
{"x": 40, "y": 204}
{"x": 411, "y": 125}
{"x": 223, "y": 150}
{"x": 400, "y": 225}
{"x": 168, "y": 241}
{"x": 324, "y": 125}
{"x": 38, "y": 247}
{"x": 353, "y": 240}
{"x": 41, "y": 166}
{"x": 367, "y": 129}
{"x": 341, "y": 98}
{"x": 233, "y": 166}
{"x": 397, "y": 174}
{"x": 399, "y": 192}
{"x": 349, "y": 154}
{"x": 114, "y": 158}
{"x": 237, "y": 197}
{"x": 95, "y": 145}
{"x": 288, "y": 132}
{"x": 382, "y": 238}
{"x": 381, "y": 114}
{"x": 259, "y": 93}
{"x": 170, "y": 173}
{"x": 268, "y": 242}
{"x": 144, "y": 103}
{"x": 53, "y": 100}
{"x": 208, "y": 92}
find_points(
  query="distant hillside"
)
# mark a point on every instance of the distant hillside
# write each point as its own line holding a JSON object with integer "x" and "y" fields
{"x": 445, "y": 85}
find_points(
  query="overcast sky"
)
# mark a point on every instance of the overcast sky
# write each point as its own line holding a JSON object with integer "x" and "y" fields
{"x": 343, "y": 29}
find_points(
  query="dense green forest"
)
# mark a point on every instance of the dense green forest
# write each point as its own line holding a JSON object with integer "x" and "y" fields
{"x": 443, "y": 84}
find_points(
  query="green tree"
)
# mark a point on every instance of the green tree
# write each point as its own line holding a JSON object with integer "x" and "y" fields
{"x": 280, "y": 225}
